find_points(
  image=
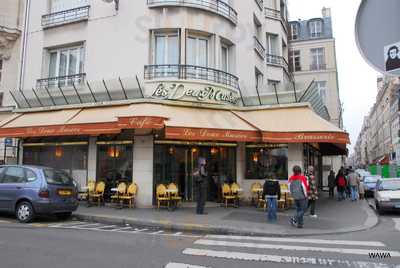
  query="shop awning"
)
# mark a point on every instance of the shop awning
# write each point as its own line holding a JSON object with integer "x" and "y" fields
{"x": 293, "y": 125}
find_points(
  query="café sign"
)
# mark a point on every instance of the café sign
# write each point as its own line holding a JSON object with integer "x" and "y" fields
{"x": 195, "y": 92}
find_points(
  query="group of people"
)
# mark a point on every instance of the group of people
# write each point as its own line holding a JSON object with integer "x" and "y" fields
{"x": 303, "y": 189}
{"x": 347, "y": 183}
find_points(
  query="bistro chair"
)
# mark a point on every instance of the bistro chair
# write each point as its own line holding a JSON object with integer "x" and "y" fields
{"x": 174, "y": 196}
{"x": 162, "y": 196}
{"x": 98, "y": 194}
{"x": 288, "y": 198}
{"x": 236, "y": 191}
{"x": 121, "y": 190}
{"x": 130, "y": 195}
{"x": 255, "y": 192}
{"x": 227, "y": 194}
{"x": 89, "y": 189}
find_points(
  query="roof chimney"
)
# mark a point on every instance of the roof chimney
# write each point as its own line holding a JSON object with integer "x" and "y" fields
{"x": 326, "y": 12}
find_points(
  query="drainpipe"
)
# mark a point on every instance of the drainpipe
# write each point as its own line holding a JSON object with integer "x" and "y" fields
{"x": 24, "y": 44}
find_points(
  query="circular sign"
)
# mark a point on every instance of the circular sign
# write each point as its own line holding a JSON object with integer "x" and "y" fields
{"x": 378, "y": 34}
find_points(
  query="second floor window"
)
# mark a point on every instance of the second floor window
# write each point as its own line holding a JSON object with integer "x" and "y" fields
{"x": 294, "y": 61}
{"x": 197, "y": 51}
{"x": 66, "y": 61}
{"x": 294, "y": 31}
{"x": 272, "y": 45}
{"x": 166, "y": 48}
{"x": 318, "y": 59}
{"x": 225, "y": 58}
{"x": 315, "y": 28}
{"x": 60, "y": 5}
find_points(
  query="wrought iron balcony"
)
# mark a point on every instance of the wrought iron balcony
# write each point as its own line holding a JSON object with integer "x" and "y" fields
{"x": 260, "y": 4}
{"x": 272, "y": 13}
{"x": 216, "y": 6}
{"x": 317, "y": 67}
{"x": 184, "y": 72}
{"x": 61, "y": 81}
{"x": 259, "y": 48}
{"x": 66, "y": 16}
{"x": 280, "y": 62}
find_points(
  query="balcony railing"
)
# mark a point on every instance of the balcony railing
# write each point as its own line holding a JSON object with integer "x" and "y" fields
{"x": 281, "y": 62}
{"x": 178, "y": 71}
{"x": 317, "y": 67}
{"x": 272, "y": 13}
{"x": 259, "y": 48}
{"x": 65, "y": 17}
{"x": 61, "y": 81}
{"x": 260, "y": 4}
{"x": 216, "y": 6}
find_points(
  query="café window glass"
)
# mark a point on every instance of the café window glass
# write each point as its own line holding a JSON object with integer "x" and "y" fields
{"x": 263, "y": 162}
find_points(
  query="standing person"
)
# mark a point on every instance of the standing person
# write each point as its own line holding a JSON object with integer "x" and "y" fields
{"x": 200, "y": 178}
{"x": 271, "y": 193}
{"x": 354, "y": 182}
{"x": 331, "y": 184}
{"x": 341, "y": 185}
{"x": 298, "y": 189}
{"x": 312, "y": 191}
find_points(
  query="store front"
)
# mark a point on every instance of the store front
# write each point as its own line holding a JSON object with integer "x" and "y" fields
{"x": 175, "y": 163}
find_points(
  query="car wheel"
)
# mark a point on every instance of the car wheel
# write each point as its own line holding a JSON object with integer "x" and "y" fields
{"x": 24, "y": 212}
{"x": 64, "y": 216}
{"x": 378, "y": 209}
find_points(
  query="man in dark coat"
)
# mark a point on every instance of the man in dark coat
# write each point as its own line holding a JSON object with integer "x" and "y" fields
{"x": 271, "y": 193}
{"x": 200, "y": 178}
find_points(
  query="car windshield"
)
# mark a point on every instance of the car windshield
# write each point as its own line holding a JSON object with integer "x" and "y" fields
{"x": 371, "y": 179}
{"x": 59, "y": 177}
{"x": 390, "y": 186}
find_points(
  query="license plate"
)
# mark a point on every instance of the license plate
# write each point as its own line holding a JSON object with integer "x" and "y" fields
{"x": 64, "y": 192}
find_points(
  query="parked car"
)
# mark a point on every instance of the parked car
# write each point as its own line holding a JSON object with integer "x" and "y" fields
{"x": 387, "y": 195}
{"x": 28, "y": 191}
{"x": 370, "y": 184}
{"x": 363, "y": 173}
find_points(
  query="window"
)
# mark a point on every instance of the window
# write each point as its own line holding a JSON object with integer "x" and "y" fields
{"x": 66, "y": 62}
{"x": 321, "y": 86}
{"x": 294, "y": 31}
{"x": 14, "y": 175}
{"x": 318, "y": 59}
{"x": 315, "y": 27}
{"x": 259, "y": 79}
{"x": 60, "y": 5}
{"x": 225, "y": 58}
{"x": 294, "y": 61}
{"x": 197, "y": 51}
{"x": 166, "y": 48}
{"x": 263, "y": 162}
{"x": 57, "y": 177}
{"x": 272, "y": 44}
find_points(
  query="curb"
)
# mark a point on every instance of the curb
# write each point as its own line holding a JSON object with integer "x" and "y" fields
{"x": 371, "y": 222}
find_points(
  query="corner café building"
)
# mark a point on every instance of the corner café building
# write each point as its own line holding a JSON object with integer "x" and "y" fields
{"x": 158, "y": 139}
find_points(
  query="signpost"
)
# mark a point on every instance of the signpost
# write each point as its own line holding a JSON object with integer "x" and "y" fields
{"x": 378, "y": 34}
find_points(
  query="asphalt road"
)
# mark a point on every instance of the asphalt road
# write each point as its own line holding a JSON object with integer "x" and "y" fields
{"x": 54, "y": 244}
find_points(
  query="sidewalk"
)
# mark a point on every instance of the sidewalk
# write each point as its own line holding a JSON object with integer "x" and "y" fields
{"x": 333, "y": 218}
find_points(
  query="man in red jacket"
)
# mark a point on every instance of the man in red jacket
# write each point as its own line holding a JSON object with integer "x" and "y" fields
{"x": 298, "y": 186}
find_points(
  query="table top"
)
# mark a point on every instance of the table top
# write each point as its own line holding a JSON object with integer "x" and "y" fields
{"x": 171, "y": 190}
{"x": 114, "y": 189}
{"x": 258, "y": 189}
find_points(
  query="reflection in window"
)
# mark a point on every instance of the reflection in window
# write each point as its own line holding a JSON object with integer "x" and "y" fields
{"x": 267, "y": 162}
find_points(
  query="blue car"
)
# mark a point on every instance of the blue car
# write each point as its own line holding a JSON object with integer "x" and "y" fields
{"x": 28, "y": 191}
{"x": 370, "y": 184}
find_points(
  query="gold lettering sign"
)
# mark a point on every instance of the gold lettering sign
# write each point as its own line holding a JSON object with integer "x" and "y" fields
{"x": 175, "y": 91}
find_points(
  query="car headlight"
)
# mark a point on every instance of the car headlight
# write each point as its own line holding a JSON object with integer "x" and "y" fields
{"x": 384, "y": 199}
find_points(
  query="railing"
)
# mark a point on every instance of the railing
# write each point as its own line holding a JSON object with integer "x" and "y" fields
{"x": 272, "y": 13}
{"x": 281, "y": 62}
{"x": 61, "y": 81}
{"x": 260, "y": 4}
{"x": 259, "y": 48}
{"x": 65, "y": 16}
{"x": 216, "y": 6}
{"x": 190, "y": 72}
{"x": 316, "y": 67}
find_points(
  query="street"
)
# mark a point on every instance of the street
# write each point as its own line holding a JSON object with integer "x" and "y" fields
{"x": 49, "y": 243}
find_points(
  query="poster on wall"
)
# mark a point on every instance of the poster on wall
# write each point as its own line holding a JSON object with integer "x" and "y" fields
{"x": 392, "y": 58}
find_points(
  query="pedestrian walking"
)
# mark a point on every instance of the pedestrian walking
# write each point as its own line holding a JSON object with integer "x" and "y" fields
{"x": 341, "y": 185}
{"x": 354, "y": 183}
{"x": 271, "y": 193}
{"x": 200, "y": 177}
{"x": 298, "y": 187}
{"x": 331, "y": 184}
{"x": 312, "y": 191}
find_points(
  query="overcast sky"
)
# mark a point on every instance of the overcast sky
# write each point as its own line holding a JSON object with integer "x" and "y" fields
{"x": 357, "y": 80}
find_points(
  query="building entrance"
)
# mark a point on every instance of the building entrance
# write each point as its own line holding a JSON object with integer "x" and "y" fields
{"x": 175, "y": 163}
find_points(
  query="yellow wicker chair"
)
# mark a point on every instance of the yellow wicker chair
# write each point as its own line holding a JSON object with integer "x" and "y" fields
{"x": 227, "y": 194}
{"x": 162, "y": 196}
{"x": 98, "y": 194}
{"x": 174, "y": 196}
{"x": 121, "y": 190}
{"x": 90, "y": 189}
{"x": 130, "y": 195}
{"x": 289, "y": 198}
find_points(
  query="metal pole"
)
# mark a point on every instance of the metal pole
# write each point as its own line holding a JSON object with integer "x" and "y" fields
{"x": 258, "y": 94}
{"x": 122, "y": 86}
{"x": 91, "y": 92}
{"x": 276, "y": 93}
{"x": 26, "y": 100}
{"x": 241, "y": 96}
{"x": 12, "y": 95}
{"x": 108, "y": 93}
{"x": 37, "y": 97}
{"x": 76, "y": 91}
{"x": 305, "y": 92}
{"x": 140, "y": 88}
{"x": 51, "y": 97}
{"x": 294, "y": 90}
{"x": 62, "y": 93}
